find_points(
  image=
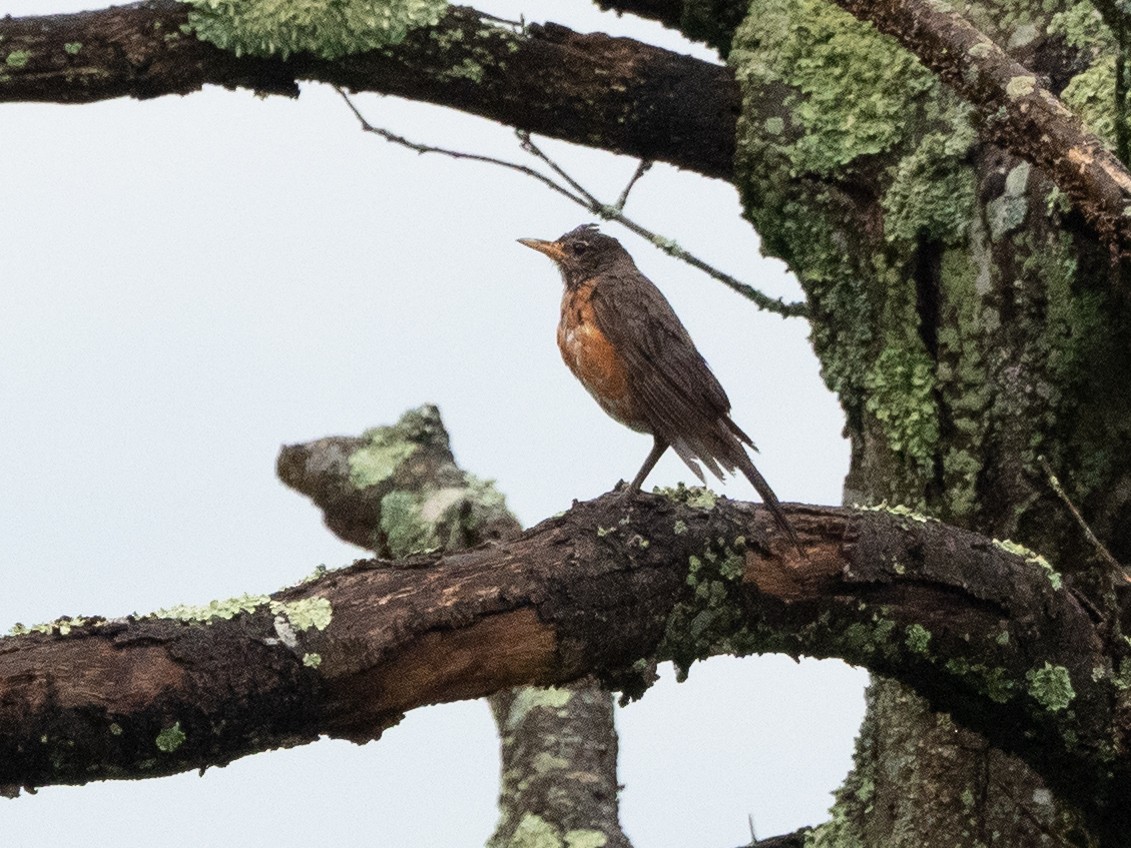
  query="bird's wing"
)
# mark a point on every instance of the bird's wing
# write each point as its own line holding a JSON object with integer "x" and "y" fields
{"x": 670, "y": 381}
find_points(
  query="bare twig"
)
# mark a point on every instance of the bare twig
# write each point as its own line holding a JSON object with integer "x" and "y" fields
{"x": 641, "y": 170}
{"x": 1104, "y": 553}
{"x": 574, "y": 191}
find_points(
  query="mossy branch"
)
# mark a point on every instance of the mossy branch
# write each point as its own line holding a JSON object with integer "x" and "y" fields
{"x": 604, "y": 589}
{"x": 1018, "y": 111}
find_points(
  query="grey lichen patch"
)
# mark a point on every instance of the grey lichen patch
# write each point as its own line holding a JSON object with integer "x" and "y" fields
{"x": 379, "y": 459}
{"x": 226, "y": 609}
{"x": 171, "y": 738}
{"x": 305, "y": 614}
{"x": 1007, "y": 212}
{"x": 326, "y": 28}
{"x": 1051, "y": 686}
{"x": 1033, "y": 557}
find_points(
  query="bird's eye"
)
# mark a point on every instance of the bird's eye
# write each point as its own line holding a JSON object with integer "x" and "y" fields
{"x": 579, "y": 247}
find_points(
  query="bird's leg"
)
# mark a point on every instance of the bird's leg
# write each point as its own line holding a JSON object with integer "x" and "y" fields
{"x": 658, "y": 448}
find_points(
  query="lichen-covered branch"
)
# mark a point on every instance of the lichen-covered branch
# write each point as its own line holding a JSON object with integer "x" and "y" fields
{"x": 614, "y": 93}
{"x": 397, "y": 489}
{"x": 989, "y": 635}
{"x": 1018, "y": 111}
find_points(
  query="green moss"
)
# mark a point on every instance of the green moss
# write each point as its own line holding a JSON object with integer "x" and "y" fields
{"x": 1051, "y": 687}
{"x": 918, "y": 639}
{"x": 72, "y": 48}
{"x": 171, "y": 738}
{"x": 18, "y": 58}
{"x": 326, "y": 28}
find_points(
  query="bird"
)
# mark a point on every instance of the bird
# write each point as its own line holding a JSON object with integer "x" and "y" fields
{"x": 621, "y": 338}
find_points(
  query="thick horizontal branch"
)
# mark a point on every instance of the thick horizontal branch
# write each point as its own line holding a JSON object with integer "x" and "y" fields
{"x": 983, "y": 633}
{"x": 1019, "y": 113}
{"x": 613, "y": 93}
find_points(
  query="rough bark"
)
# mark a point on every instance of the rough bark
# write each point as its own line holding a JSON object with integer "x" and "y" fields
{"x": 614, "y": 93}
{"x": 398, "y": 489}
{"x": 969, "y": 324}
{"x": 982, "y": 633}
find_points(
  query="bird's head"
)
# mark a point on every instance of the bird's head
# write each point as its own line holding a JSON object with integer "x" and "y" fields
{"x": 581, "y": 253}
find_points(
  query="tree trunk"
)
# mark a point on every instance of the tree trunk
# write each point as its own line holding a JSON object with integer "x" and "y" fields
{"x": 971, "y": 327}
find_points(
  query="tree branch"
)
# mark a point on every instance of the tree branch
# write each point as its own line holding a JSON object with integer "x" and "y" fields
{"x": 1018, "y": 112}
{"x": 983, "y": 633}
{"x": 613, "y": 93}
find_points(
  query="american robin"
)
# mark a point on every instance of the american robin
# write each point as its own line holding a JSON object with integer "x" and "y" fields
{"x": 620, "y": 337}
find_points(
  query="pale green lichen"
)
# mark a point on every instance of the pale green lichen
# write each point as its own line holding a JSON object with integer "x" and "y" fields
{"x": 918, "y": 639}
{"x": 18, "y": 58}
{"x": 1091, "y": 95}
{"x": 898, "y": 510}
{"x": 932, "y": 192}
{"x": 72, "y": 48}
{"x": 115, "y": 729}
{"x": 1051, "y": 686}
{"x": 171, "y": 738}
{"x": 534, "y": 697}
{"x": 848, "y": 104}
{"x": 900, "y": 386}
{"x": 226, "y": 609}
{"x": 1020, "y": 86}
{"x": 326, "y": 28}
{"x": 697, "y": 497}
{"x": 312, "y": 660}
{"x": 585, "y": 838}
{"x": 61, "y": 626}
{"x": 1033, "y": 557}
{"x": 379, "y": 459}
{"x": 305, "y": 614}
{"x": 406, "y": 531}
{"x": 680, "y": 527}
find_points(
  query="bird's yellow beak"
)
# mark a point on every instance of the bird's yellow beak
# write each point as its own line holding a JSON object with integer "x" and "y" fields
{"x": 550, "y": 248}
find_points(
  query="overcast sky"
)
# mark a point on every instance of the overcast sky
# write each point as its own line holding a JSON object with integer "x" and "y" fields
{"x": 189, "y": 283}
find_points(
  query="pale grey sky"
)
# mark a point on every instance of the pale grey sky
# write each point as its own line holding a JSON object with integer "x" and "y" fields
{"x": 189, "y": 283}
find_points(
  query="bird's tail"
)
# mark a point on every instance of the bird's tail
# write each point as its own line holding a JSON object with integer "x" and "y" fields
{"x": 746, "y": 466}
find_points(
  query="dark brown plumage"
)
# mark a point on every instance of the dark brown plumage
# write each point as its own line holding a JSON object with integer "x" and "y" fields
{"x": 624, "y": 342}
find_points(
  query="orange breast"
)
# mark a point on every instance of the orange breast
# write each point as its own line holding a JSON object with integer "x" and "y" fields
{"x": 593, "y": 359}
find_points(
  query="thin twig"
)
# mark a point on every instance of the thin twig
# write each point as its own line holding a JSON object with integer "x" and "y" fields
{"x": 612, "y": 213}
{"x": 579, "y": 195}
{"x": 1104, "y": 553}
{"x": 456, "y": 154}
{"x": 641, "y": 170}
